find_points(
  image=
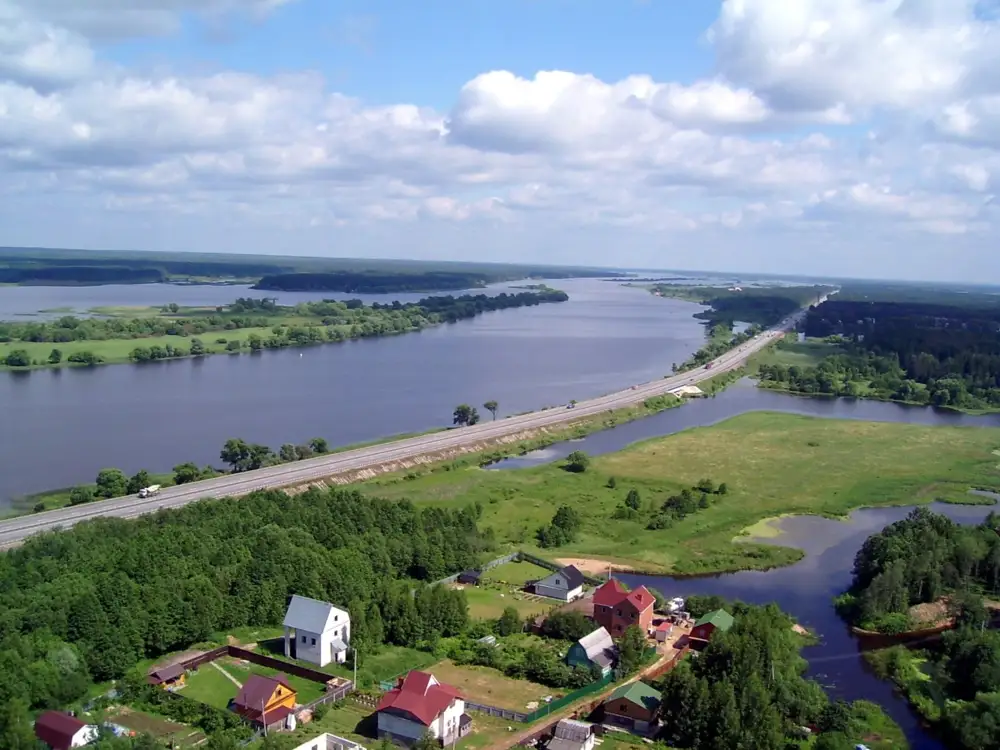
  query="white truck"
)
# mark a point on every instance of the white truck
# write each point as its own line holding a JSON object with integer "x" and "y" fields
{"x": 153, "y": 489}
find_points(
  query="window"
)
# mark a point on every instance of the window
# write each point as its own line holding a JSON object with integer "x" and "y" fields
{"x": 623, "y": 708}
{"x": 313, "y": 642}
{"x": 303, "y": 639}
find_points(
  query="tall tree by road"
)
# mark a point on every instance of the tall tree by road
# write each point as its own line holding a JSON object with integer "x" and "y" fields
{"x": 464, "y": 415}
{"x": 492, "y": 406}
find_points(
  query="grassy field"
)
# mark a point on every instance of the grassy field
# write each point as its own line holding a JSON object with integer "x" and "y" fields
{"x": 164, "y": 729}
{"x": 488, "y": 602}
{"x": 771, "y": 463}
{"x": 516, "y": 573}
{"x": 808, "y": 353}
{"x": 491, "y": 687}
{"x": 210, "y": 686}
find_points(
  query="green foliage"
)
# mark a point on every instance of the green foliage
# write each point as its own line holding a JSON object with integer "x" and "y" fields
{"x": 18, "y": 358}
{"x": 633, "y": 500}
{"x": 492, "y": 406}
{"x": 111, "y": 483}
{"x": 243, "y": 456}
{"x": 509, "y": 622}
{"x": 319, "y": 445}
{"x": 465, "y": 415}
{"x": 563, "y": 528}
{"x": 522, "y": 660}
{"x": 80, "y": 495}
{"x": 55, "y": 357}
{"x": 567, "y": 625}
{"x": 139, "y": 481}
{"x": 577, "y": 462}
{"x": 631, "y": 648}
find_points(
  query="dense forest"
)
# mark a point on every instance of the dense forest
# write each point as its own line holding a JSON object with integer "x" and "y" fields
{"x": 371, "y": 282}
{"x": 763, "y": 306}
{"x": 926, "y": 558}
{"x": 85, "y": 605}
{"x": 746, "y": 690}
{"x": 945, "y": 355}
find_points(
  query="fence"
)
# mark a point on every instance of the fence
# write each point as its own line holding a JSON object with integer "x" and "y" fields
{"x": 521, "y": 556}
{"x": 298, "y": 670}
{"x": 332, "y": 695}
{"x": 667, "y": 666}
{"x": 502, "y": 713}
{"x": 576, "y": 695}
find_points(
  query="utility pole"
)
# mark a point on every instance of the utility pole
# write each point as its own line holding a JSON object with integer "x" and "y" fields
{"x": 355, "y": 669}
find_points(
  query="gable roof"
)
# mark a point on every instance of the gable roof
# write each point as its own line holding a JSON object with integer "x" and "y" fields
{"x": 165, "y": 674}
{"x": 571, "y": 729}
{"x": 312, "y": 615}
{"x": 420, "y": 695}
{"x": 639, "y": 693}
{"x": 257, "y": 691}
{"x": 57, "y": 729}
{"x": 610, "y": 593}
{"x": 720, "y": 618}
{"x": 640, "y": 598}
{"x": 572, "y": 577}
{"x": 599, "y": 647}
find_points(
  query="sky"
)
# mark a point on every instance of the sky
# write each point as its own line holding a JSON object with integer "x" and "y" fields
{"x": 827, "y": 137}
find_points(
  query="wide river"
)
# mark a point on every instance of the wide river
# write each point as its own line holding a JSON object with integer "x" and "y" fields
{"x": 60, "y": 427}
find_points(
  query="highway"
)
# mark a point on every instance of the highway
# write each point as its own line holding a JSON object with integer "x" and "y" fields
{"x": 16, "y": 530}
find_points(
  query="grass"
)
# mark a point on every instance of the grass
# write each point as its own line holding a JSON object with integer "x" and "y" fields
{"x": 210, "y": 686}
{"x": 52, "y": 499}
{"x": 773, "y": 464}
{"x": 808, "y": 353}
{"x": 516, "y": 573}
{"x": 491, "y": 687}
{"x": 488, "y": 602}
{"x": 386, "y": 664}
{"x": 145, "y": 723}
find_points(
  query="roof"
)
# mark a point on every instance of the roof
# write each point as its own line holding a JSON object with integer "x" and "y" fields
{"x": 641, "y": 598}
{"x": 57, "y": 729}
{"x": 639, "y": 693}
{"x": 665, "y": 625}
{"x": 571, "y": 729}
{"x": 420, "y": 695}
{"x": 312, "y": 615}
{"x": 470, "y": 574}
{"x": 165, "y": 674}
{"x": 610, "y": 593}
{"x": 560, "y": 743}
{"x": 573, "y": 577}
{"x": 599, "y": 646}
{"x": 257, "y": 691}
{"x": 721, "y": 619}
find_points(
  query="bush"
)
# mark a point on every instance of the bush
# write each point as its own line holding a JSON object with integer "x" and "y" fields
{"x": 577, "y": 462}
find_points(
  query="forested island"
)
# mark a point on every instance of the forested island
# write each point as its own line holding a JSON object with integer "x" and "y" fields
{"x": 925, "y": 347}
{"x": 924, "y": 572}
{"x": 53, "y": 267}
{"x": 131, "y": 335}
{"x": 763, "y": 306}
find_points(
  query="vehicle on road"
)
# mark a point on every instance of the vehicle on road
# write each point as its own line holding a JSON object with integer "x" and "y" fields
{"x": 709, "y": 365}
{"x": 153, "y": 489}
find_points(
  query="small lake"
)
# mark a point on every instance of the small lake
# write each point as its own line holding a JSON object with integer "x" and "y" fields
{"x": 806, "y": 591}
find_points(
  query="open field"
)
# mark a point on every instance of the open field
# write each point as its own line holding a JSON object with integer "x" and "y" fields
{"x": 488, "y": 602}
{"x": 771, "y": 463}
{"x": 808, "y": 353}
{"x": 492, "y": 687}
{"x": 163, "y": 729}
{"x": 516, "y": 573}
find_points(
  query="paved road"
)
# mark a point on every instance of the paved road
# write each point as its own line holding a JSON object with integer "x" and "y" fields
{"x": 14, "y": 531}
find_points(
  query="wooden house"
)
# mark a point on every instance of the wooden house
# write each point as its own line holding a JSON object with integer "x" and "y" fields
{"x": 266, "y": 701}
{"x": 710, "y": 623}
{"x": 169, "y": 678}
{"x": 634, "y": 705}
{"x": 594, "y": 650}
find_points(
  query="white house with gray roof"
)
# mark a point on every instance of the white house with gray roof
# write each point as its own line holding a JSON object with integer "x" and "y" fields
{"x": 316, "y": 632}
{"x": 565, "y": 584}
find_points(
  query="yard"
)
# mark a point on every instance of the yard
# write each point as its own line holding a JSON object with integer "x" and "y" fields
{"x": 491, "y": 687}
{"x": 163, "y": 729}
{"x": 771, "y": 463}
{"x": 516, "y": 573}
{"x": 209, "y": 684}
{"x": 488, "y": 601}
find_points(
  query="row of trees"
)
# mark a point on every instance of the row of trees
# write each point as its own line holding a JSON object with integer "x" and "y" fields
{"x": 466, "y": 416}
{"x": 85, "y": 605}
{"x": 721, "y": 339}
{"x": 21, "y": 358}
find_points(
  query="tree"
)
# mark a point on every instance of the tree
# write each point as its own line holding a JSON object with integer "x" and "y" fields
{"x": 16, "y": 732}
{"x": 632, "y": 500}
{"x": 80, "y": 495}
{"x": 197, "y": 347}
{"x": 509, "y": 622}
{"x": 287, "y": 453}
{"x": 111, "y": 483}
{"x": 243, "y": 456}
{"x": 577, "y": 462}
{"x": 137, "y": 482}
{"x": 186, "y": 472}
{"x": 18, "y": 358}
{"x": 55, "y": 357}
{"x": 234, "y": 346}
{"x": 491, "y": 407}
{"x": 255, "y": 342}
{"x": 319, "y": 445}
{"x": 612, "y": 483}
{"x": 631, "y": 649}
{"x": 723, "y": 489}
{"x": 464, "y": 415}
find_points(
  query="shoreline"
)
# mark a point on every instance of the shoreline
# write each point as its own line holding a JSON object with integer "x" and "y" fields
{"x": 803, "y": 394}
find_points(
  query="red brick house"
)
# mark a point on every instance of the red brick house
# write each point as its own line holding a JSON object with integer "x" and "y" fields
{"x": 616, "y": 608}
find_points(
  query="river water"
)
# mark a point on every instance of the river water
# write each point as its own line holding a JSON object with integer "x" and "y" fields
{"x": 60, "y": 427}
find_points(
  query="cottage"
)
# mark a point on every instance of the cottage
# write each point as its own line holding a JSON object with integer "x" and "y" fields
{"x": 634, "y": 705}
{"x": 316, "y": 632}
{"x": 709, "y": 623}
{"x": 418, "y": 705}
{"x": 594, "y": 650}
{"x": 267, "y": 701}
{"x": 60, "y": 731}
{"x": 470, "y": 577}
{"x": 168, "y": 678}
{"x": 571, "y": 734}
{"x": 565, "y": 585}
{"x": 616, "y": 608}
{"x": 663, "y": 631}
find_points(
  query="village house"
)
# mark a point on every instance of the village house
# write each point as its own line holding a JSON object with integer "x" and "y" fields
{"x": 267, "y": 702}
{"x": 60, "y": 731}
{"x": 634, "y": 705}
{"x": 708, "y": 624}
{"x": 169, "y": 678}
{"x": 565, "y": 585}
{"x": 316, "y": 632}
{"x": 571, "y": 734}
{"x": 596, "y": 649}
{"x": 418, "y": 705}
{"x": 616, "y": 608}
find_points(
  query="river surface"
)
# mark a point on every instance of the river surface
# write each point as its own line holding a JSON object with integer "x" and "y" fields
{"x": 60, "y": 427}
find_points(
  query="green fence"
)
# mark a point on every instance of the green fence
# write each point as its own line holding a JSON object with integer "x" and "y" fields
{"x": 576, "y": 695}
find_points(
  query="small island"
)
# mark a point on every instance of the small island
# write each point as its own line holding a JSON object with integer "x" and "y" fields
{"x": 246, "y": 325}
{"x": 349, "y": 282}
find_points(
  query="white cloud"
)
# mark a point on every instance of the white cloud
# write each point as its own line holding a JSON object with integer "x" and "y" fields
{"x": 517, "y": 166}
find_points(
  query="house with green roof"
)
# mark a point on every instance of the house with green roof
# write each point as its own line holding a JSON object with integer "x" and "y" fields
{"x": 709, "y": 624}
{"x": 634, "y": 705}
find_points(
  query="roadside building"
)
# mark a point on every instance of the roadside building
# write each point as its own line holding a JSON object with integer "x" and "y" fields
{"x": 635, "y": 706}
{"x": 316, "y": 632}
{"x": 60, "y": 731}
{"x": 267, "y": 702}
{"x": 616, "y": 608}
{"x": 418, "y": 705}
{"x": 709, "y": 624}
{"x": 595, "y": 649}
{"x": 571, "y": 734}
{"x": 565, "y": 584}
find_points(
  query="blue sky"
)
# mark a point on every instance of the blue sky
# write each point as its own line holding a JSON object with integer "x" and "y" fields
{"x": 838, "y": 137}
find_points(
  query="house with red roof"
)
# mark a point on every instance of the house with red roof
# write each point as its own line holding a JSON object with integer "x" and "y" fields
{"x": 616, "y": 608}
{"x": 418, "y": 705}
{"x": 60, "y": 731}
{"x": 266, "y": 701}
